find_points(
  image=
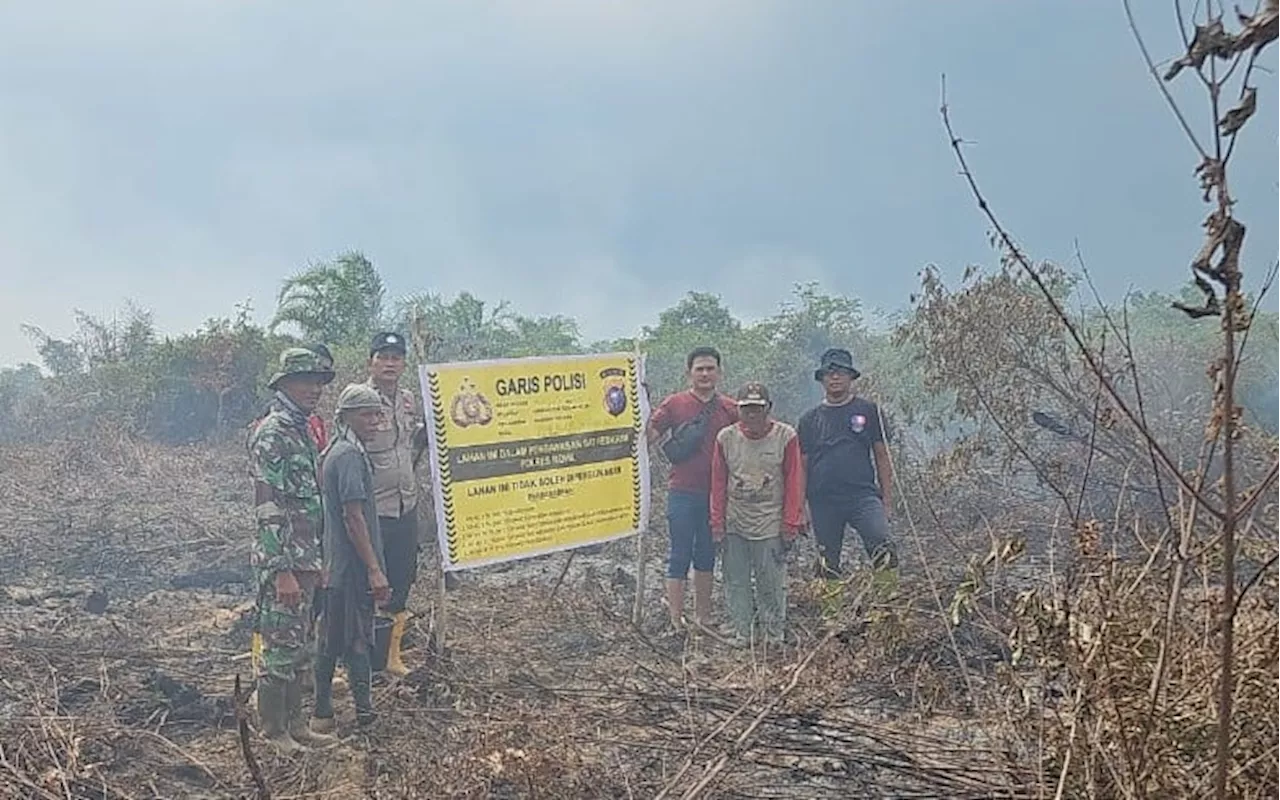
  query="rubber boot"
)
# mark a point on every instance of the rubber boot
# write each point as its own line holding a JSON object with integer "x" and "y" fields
{"x": 395, "y": 665}
{"x": 322, "y": 720}
{"x": 255, "y": 651}
{"x": 273, "y": 715}
{"x": 409, "y": 641}
{"x": 298, "y": 728}
{"x": 359, "y": 674}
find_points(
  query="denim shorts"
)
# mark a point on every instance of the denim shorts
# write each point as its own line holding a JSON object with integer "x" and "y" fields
{"x": 689, "y": 528}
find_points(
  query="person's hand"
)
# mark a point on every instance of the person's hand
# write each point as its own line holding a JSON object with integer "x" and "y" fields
{"x": 717, "y": 542}
{"x": 784, "y": 548}
{"x": 288, "y": 592}
{"x": 379, "y": 586}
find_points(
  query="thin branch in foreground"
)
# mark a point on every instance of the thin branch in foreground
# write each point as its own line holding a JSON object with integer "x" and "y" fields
{"x": 242, "y": 724}
{"x": 1164, "y": 90}
{"x": 714, "y": 769}
{"x": 1085, "y": 351}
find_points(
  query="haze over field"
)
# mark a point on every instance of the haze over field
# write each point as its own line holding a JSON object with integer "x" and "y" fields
{"x": 635, "y": 151}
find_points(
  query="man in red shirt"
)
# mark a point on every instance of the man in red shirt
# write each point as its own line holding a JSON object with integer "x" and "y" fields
{"x": 691, "y": 419}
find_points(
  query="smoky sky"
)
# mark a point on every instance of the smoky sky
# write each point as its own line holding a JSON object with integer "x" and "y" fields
{"x": 593, "y": 158}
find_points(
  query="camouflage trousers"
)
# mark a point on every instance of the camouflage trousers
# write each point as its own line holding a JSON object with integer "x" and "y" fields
{"x": 288, "y": 635}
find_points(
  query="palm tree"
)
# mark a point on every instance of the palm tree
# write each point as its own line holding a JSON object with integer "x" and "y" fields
{"x": 463, "y": 328}
{"x": 339, "y": 302}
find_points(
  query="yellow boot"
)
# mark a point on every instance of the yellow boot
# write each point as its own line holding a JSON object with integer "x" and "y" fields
{"x": 255, "y": 651}
{"x": 395, "y": 666}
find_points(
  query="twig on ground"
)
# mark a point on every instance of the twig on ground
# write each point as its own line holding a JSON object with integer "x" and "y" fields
{"x": 242, "y": 727}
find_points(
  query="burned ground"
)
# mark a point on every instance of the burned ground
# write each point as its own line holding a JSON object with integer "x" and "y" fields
{"x": 124, "y": 624}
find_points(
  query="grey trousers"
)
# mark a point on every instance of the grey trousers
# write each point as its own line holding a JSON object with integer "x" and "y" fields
{"x": 865, "y": 513}
{"x": 755, "y": 585}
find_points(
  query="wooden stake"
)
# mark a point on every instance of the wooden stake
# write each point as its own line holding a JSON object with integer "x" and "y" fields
{"x": 440, "y": 609}
{"x": 421, "y": 338}
{"x": 637, "y": 610}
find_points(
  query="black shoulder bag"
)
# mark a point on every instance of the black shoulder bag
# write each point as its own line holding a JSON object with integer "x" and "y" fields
{"x": 686, "y": 438}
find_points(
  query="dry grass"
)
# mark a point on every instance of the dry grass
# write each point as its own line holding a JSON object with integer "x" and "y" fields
{"x": 1025, "y": 673}
{"x": 541, "y": 694}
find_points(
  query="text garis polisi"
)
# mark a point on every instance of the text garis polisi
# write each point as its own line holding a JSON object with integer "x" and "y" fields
{"x": 533, "y": 384}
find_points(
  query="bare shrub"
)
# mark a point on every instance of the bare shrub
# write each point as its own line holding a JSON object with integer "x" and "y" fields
{"x": 1135, "y": 672}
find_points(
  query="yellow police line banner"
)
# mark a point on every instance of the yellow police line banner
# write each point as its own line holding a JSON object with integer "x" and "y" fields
{"x": 535, "y": 455}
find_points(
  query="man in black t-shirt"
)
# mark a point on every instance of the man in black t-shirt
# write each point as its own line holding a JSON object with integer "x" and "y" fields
{"x": 848, "y": 477}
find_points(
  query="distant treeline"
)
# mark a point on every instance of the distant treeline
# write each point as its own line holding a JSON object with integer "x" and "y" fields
{"x": 208, "y": 382}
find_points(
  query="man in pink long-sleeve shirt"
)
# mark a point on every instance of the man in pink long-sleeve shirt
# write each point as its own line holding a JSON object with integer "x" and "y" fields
{"x": 757, "y": 510}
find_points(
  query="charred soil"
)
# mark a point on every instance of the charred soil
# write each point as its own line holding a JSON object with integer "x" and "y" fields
{"x": 125, "y": 618}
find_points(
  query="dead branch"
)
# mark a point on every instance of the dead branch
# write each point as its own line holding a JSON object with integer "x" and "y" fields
{"x": 1160, "y": 83}
{"x": 1085, "y": 351}
{"x": 713, "y": 769}
{"x": 242, "y": 727}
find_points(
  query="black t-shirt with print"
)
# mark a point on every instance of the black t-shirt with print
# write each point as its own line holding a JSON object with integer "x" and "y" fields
{"x": 837, "y": 442}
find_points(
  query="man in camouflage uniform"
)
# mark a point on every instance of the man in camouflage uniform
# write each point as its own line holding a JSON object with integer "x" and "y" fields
{"x": 286, "y": 555}
{"x": 319, "y": 433}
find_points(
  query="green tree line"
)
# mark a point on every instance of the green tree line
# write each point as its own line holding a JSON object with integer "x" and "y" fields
{"x": 923, "y": 366}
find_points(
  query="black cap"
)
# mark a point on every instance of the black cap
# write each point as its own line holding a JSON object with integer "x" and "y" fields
{"x": 388, "y": 341}
{"x": 836, "y": 358}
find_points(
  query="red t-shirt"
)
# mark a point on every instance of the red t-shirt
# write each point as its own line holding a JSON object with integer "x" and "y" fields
{"x": 319, "y": 433}
{"x": 693, "y": 475}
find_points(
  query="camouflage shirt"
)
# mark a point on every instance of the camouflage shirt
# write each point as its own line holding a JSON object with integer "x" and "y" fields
{"x": 282, "y": 463}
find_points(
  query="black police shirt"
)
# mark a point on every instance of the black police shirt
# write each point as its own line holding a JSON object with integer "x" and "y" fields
{"x": 837, "y": 441}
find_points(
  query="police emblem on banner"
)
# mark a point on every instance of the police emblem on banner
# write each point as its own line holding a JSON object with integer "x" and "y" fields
{"x": 615, "y": 390}
{"x": 469, "y": 406}
{"x": 858, "y": 423}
